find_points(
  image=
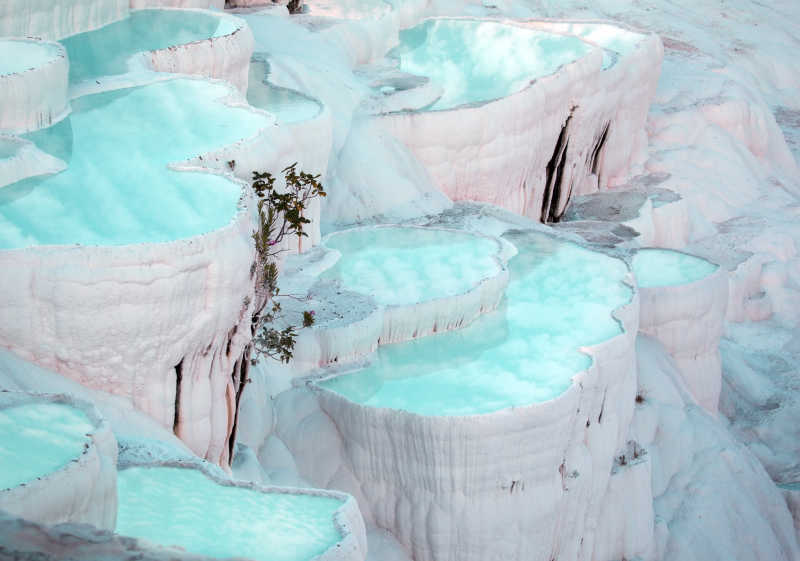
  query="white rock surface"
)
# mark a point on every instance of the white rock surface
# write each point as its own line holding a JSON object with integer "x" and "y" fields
{"x": 713, "y": 500}
{"x": 128, "y": 423}
{"x": 198, "y": 333}
{"x": 181, "y": 323}
{"x": 56, "y": 19}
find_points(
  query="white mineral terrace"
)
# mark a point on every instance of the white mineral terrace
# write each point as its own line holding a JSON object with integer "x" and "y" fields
{"x": 507, "y": 358}
{"x": 181, "y": 41}
{"x": 552, "y": 133}
{"x": 57, "y": 460}
{"x": 170, "y": 506}
{"x": 513, "y": 396}
{"x": 417, "y": 281}
{"x": 555, "y": 291}
{"x": 202, "y": 230}
{"x": 683, "y": 303}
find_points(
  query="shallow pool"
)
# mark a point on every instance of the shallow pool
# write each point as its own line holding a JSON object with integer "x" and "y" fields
{"x": 39, "y": 438}
{"x": 118, "y": 188}
{"x": 21, "y": 55}
{"x": 608, "y": 36}
{"x": 183, "y": 507}
{"x": 402, "y": 266}
{"x": 287, "y": 105}
{"x": 560, "y": 297}
{"x": 476, "y": 61}
{"x": 663, "y": 267}
{"x": 110, "y": 50}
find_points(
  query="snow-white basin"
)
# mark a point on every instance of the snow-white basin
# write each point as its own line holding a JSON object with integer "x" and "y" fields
{"x": 560, "y": 297}
{"x": 478, "y": 61}
{"x": 118, "y": 188}
{"x": 185, "y": 507}
{"x": 39, "y": 438}
{"x": 655, "y": 267}
{"x": 407, "y": 265}
{"x": 117, "y": 48}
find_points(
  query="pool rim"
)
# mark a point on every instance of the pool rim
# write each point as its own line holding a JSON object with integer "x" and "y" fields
{"x": 13, "y": 398}
{"x": 341, "y": 523}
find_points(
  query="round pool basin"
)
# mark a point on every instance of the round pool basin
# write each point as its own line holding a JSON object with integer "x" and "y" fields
{"x": 118, "y": 188}
{"x": 37, "y": 439}
{"x": 406, "y": 265}
{"x": 184, "y": 507}
{"x": 479, "y": 61}
{"x": 58, "y": 461}
{"x": 663, "y": 267}
{"x": 22, "y": 55}
{"x": 111, "y": 50}
{"x": 560, "y": 297}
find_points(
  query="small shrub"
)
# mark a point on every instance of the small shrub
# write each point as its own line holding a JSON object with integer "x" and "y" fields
{"x": 280, "y": 214}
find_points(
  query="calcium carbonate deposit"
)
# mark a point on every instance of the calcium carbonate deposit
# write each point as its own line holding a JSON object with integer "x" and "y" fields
{"x": 399, "y": 280}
